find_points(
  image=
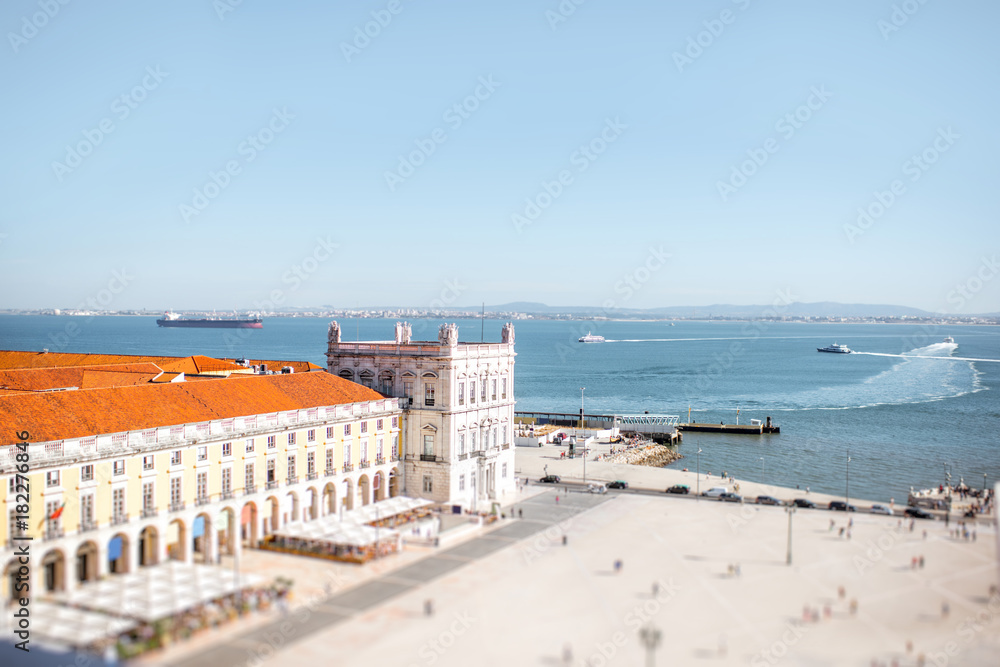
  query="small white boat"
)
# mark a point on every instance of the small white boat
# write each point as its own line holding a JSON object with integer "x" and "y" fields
{"x": 591, "y": 338}
{"x": 836, "y": 349}
{"x": 949, "y": 339}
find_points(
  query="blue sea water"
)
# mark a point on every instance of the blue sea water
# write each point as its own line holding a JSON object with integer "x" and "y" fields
{"x": 908, "y": 408}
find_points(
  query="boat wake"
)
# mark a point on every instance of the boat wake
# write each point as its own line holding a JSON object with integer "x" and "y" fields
{"x": 922, "y": 375}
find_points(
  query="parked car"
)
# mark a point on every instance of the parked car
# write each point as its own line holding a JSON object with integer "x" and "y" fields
{"x": 715, "y": 492}
{"x": 841, "y": 506}
{"x": 597, "y": 488}
{"x": 918, "y": 513}
{"x": 881, "y": 509}
{"x": 728, "y": 497}
{"x": 682, "y": 489}
{"x": 618, "y": 484}
{"x": 767, "y": 500}
{"x": 804, "y": 502}
{"x": 550, "y": 479}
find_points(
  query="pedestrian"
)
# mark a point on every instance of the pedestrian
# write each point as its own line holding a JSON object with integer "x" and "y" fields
{"x": 520, "y": 513}
{"x": 925, "y": 534}
{"x": 973, "y": 534}
{"x": 428, "y": 607}
{"x": 557, "y": 500}
{"x": 945, "y": 610}
{"x": 854, "y": 606}
{"x": 841, "y": 534}
{"x": 921, "y": 562}
{"x": 832, "y": 523}
{"x": 656, "y": 588}
{"x": 618, "y": 566}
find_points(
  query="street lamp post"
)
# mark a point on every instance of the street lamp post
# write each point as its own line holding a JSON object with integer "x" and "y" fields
{"x": 847, "y": 493}
{"x": 584, "y": 437}
{"x": 698, "y": 477}
{"x": 651, "y": 638}
{"x": 788, "y": 557}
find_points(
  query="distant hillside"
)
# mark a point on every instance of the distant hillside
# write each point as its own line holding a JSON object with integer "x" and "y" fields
{"x": 819, "y": 309}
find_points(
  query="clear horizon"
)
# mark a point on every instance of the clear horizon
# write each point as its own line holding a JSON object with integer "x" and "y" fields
{"x": 227, "y": 155}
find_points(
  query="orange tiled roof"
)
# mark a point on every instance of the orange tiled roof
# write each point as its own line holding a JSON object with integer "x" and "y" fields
{"x": 199, "y": 363}
{"x": 38, "y": 379}
{"x": 11, "y": 359}
{"x": 74, "y": 414}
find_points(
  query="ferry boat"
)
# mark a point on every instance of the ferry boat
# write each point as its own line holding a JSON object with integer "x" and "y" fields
{"x": 591, "y": 338}
{"x": 949, "y": 339}
{"x": 836, "y": 349}
{"x": 174, "y": 320}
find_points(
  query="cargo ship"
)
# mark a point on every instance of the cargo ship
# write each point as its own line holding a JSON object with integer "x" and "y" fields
{"x": 174, "y": 320}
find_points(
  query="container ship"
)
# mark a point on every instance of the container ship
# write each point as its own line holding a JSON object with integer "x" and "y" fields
{"x": 174, "y": 320}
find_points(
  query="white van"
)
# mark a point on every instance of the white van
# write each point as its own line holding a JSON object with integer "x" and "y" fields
{"x": 715, "y": 492}
{"x": 597, "y": 488}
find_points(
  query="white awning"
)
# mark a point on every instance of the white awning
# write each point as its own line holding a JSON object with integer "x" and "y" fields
{"x": 74, "y": 628}
{"x": 158, "y": 591}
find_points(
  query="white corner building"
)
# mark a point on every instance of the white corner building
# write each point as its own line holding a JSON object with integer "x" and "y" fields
{"x": 458, "y": 416}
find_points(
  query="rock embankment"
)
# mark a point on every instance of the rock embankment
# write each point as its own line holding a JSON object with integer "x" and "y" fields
{"x": 652, "y": 455}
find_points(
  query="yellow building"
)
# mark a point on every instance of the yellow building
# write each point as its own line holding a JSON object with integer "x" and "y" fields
{"x": 166, "y": 465}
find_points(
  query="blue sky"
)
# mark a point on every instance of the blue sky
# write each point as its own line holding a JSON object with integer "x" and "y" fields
{"x": 343, "y": 202}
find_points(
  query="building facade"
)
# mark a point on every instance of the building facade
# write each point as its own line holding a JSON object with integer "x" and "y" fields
{"x": 116, "y": 478}
{"x": 458, "y": 407}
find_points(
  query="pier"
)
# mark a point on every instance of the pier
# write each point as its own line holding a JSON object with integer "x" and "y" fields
{"x": 755, "y": 427}
{"x": 659, "y": 428}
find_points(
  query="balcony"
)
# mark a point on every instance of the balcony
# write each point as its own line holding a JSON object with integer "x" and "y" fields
{"x": 249, "y": 490}
{"x": 119, "y": 519}
{"x": 364, "y": 464}
{"x": 379, "y": 460}
{"x": 428, "y": 457}
{"x": 330, "y": 472}
{"x": 87, "y": 526}
{"x": 292, "y": 480}
{"x": 202, "y": 500}
{"x": 53, "y": 533}
{"x": 272, "y": 484}
{"x": 348, "y": 467}
{"x": 310, "y": 476}
{"x": 148, "y": 512}
{"x": 177, "y": 506}
{"x": 462, "y": 457}
{"x": 505, "y": 445}
{"x": 393, "y": 457}
{"x": 429, "y": 402}
{"x": 227, "y": 494}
